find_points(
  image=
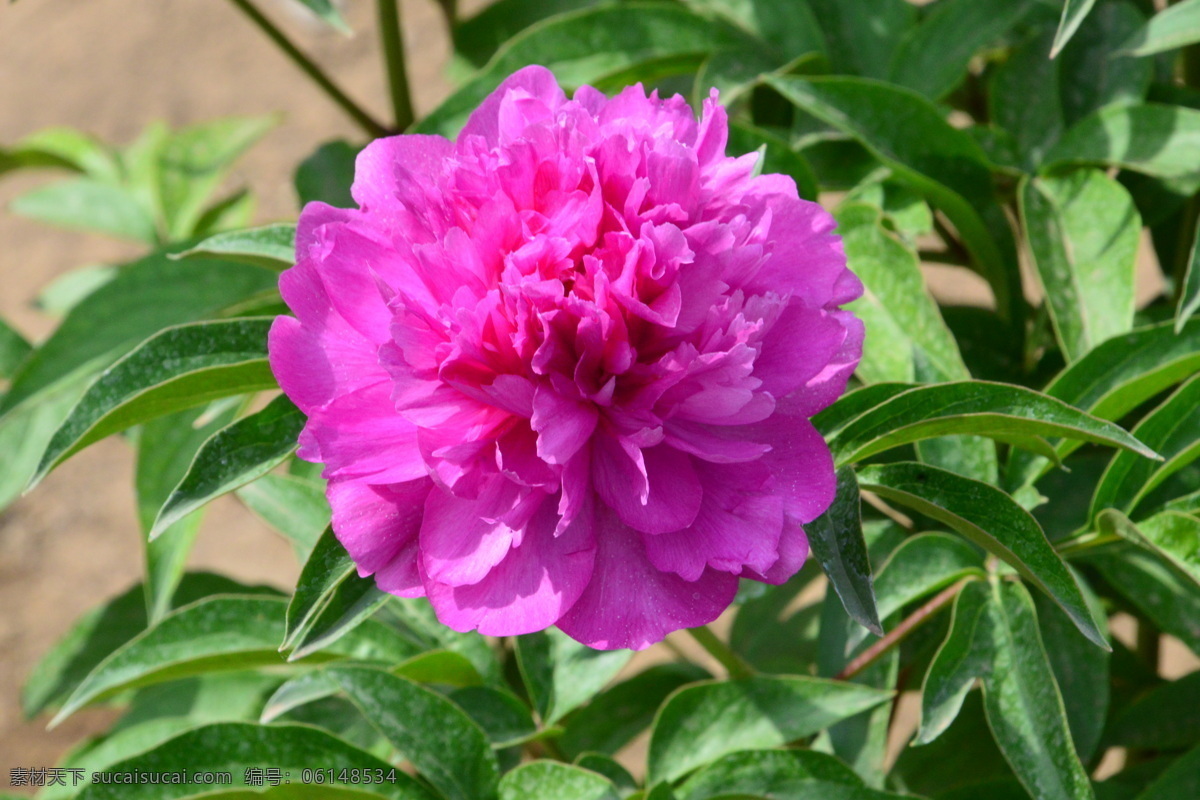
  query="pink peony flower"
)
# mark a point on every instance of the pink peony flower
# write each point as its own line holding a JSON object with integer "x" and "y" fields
{"x": 560, "y": 371}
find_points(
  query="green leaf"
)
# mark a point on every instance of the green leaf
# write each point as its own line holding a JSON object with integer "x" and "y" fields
{"x": 66, "y": 291}
{"x": 836, "y": 539}
{"x": 440, "y": 666}
{"x": 165, "y": 447}
{"x": 991, "y": 519}
{"x": 1083, "y": 231}
{"x": 327, "y": 567}
{"x": 432, "y": 733}
{"x": 216, "y": 634}
{"x": 349, "y": 605}
{"x": 1181, "y": 779}
{"x": 1157, "y": 590}
{"x": 1093, "y": 74}
{"x": 896, "y": 307}
{"x": 1024, "y": 708}
{"x": 1172, "y": 536}
{"x": 179, "y": 368}
{"x": 862, "y": 35}
{"x": 963, "y": 657}
{"x": 1161, "y": 719}
{"x": 601, "y": 764}
{"x": 996, "y": 410}
{"x": 233, "y": 457}
{"x": 194, "y": 162}
{"x": 1189, "y": 294}
{"x": 328, "y": 13}
{"x": 271, "y": 246}
{"x": 854, "y": 404}
{"x": 301, "y": 690}
{"x": 422, "y": 624}
{"x": 13, "y": 349}
{"x": 588, "y": 46}
{"x": 232, "y": 212}
{"x": 791, "y": 29}
{"x": 1172, "y": 429}
{"x": 1156, "y": 140}
{"x": 234, "y": 747}
{"x": 705, "y": 721}
{"x": 932, "y": 58}
{"x": 1117, "y": 377}
{"x": 326, "y": 175}
{"x": 479, "y": 37}
{"x": 908, "y": 134}
{"x": 919, "y": 566}
{"x": 64, "y": 148}
{"x": 562, "y": 674}
{"x": 145, "y": 296}
{"x": 623, "y": 711}
{"x": 505, "y": 718}
{"x": 1073, "y": 15}
{"x": 88, "y": 204}
{"x": 551, "y": 780}
{"x": 294, "y": 506}
{"x": 791, "y": 774}
{"x": 1023, "y": 99}
{"x": 1173, "y": 27}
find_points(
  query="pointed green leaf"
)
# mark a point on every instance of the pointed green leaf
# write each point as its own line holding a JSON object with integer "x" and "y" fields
{"x": 1024, "y": 99}
{"x": 991, "y": 519}
{"x": 932, "y": 58}
{"x": 1171, "y": 28}
{"x": 896, "y": 307}
{"x": 1189, "y": 294}
{"x": 504, "y": 718}
{"x": 996, "y": 410}
{"x": 1115, "y": 378}
{"x": 232, "y": 457}
{"x": 89, "y": 204}
{"x": 562, "y": 674}
{"x": 1157, "y": 590}
{"x": 301, "y": 690}
{"x": 836, "y": 539}
{"x": 349, "y": 605}
{"x": 235, "y": 747}
{"x": 328, "y": 13}
{"x": 1093, "y": 73}
{"x": 862, "y": 35}
{"x": 963, "y": 658}
{"x": 144, "y": 297}
{"x": 1074, "y": 12}
{"x": 705, "y": 721}
{"x": 165, "y": 447}
{"x": 791, "y": 774}
{"x": 1157, "y": 140}
{"x": 622, "y": 712}
{"x": 1181, "y": 779}
{"x": 272, "y": 246}
{"x": 941, "y": 162}
{"x": 1162, "y": 719}
{"x": 327, "y": 567}
{"x": 294, "y": 506}
{"x": 1172, "y": 429}
{"x": 477, "y": 38}
{"x": 1024, "y": 708}
{"x": 64, "y": 148}
{"x": 432, "y": 733}
{"x": 216, "y": 634}
{"x": 551, "y": 780}
{"x": 1172, "y": 536}
{"x": 179, "y": 368}
{"x": 1083, "y": 231}
{"x": 13, "y": 349}
{"x": 194, "y": 162}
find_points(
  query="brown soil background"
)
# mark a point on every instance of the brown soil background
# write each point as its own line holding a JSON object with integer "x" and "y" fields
{"x": 110, "y": 67}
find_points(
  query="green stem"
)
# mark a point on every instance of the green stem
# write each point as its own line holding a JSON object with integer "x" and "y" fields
{"x": 391, "y": 35}
{"x": 737, "y": 667}
{"x": 365, "y": 121}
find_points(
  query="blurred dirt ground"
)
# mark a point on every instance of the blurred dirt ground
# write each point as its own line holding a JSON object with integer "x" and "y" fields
{"x": 110, "y": 67}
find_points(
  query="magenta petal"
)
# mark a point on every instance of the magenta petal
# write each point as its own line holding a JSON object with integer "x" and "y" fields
{"x": 793, "y": 552}
{"x": 673, "y": 489}
{"x": 629, "y": 603}
{"x": 797, "y": 348}
{"x": 376, "y": 524}
{"x": 458, "y": 545}
{"x": 800, "y": 464}
{"x": 563, "y": 425}
{"x": 830, "y": 383}
{"x": 531, "y": 588}
{"x": 361, "y": 435}
{"x": 536, "y": 81}
{"x": 376, "y": 185}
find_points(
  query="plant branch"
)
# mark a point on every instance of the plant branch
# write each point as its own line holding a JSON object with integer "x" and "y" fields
{"x": 365, "y": 121}
{"x": 872, "y": 654}
{"x": 732, "y": 662}
{"x": 391, "y": 36}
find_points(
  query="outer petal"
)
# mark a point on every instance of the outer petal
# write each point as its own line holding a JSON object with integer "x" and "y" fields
{"x": 631, "y": 603}
{"x": 459, "y": 546}
{"x": 378, "y": 526}
{"x": 830, "y": 383}
{"x": 535, "y": 80}
{"x": 362, "y": 435}
{"x": 532, "y": 587}
{"x": 378, "y": 167}
{"x": 673, "y": 495}
{"x": 800, "y": 464}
